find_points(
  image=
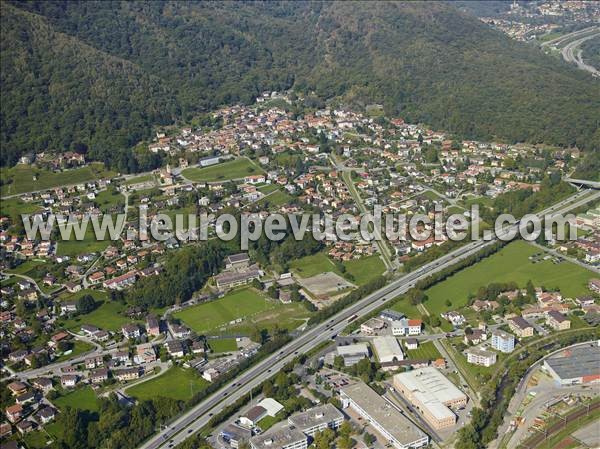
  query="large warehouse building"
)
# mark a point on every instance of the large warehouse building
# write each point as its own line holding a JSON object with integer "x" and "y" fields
{"x": 432, "y": 394}
{"x": 383, "y": 416}
{"x": 580, "y": 365}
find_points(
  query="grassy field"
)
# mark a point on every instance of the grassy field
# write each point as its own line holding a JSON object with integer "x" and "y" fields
{"x": 19, "y": 179}
{"x": 81, "y": 398}
{"x": 425, "y": 351}
{"x": 110, "y": 199}
{"x": 244, "y": 302}
{"x": 405, "y": 307}
{"x": 511, "y": 263}
{"x": 362, "y": 270}
{"x": 107, "y": 316}
{"x": 365, "y": 269}
{"x": 89, "y": 244}
{"x": 140, "y": 179}
{"x": 223, "y": 344}
{"x": 176, "y": 383}
{"x": 312, "y": 265}
{"x": 236, "y": 169}
{"x": 282, "y": 316}
{"x": 28, "y": 268}
{"x": 277, "y": 198}
{"x": 14, "y": 207}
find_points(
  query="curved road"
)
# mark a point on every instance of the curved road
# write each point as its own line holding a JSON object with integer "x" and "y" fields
{"x": 199, "y": 416}
{"x": 572, "y": 54}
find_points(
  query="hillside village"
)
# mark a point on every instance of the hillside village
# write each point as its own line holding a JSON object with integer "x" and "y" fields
{"x": 67, "y": 325}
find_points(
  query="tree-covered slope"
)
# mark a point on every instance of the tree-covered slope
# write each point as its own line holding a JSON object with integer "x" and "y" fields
{"x": 160, "y": 61}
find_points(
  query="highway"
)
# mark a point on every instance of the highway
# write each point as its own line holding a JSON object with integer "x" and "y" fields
{"x": 570, "y": 53}
{"x": 198, "y": 417}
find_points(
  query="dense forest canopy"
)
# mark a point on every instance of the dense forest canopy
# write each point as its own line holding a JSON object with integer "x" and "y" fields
{"x": 104, "y": 73}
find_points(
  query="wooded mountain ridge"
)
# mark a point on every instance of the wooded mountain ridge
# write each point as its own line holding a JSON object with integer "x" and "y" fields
{"x": 105, "y": 73}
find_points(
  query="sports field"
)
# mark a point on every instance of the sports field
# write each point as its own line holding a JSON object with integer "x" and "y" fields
{"x": 236, "y": 169}
{"x": 511, "y": 263}
{"x": 19, "y": 179}
{"x": 242, "y": 303}
{"x": 177, "y": 383}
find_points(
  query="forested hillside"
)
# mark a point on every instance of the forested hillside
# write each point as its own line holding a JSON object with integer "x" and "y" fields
{"x": 103, "y": 73}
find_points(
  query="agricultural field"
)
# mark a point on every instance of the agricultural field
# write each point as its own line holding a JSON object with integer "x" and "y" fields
{"x": 236, "y": 169}
{"x": 241, "y": 303}
{"x": 425, "y": 351}
{"x": 511, "y": 263}
{"x": 19, "y": 179}
{"x": 81, "y": 398}
{"x": 176, "y": 383}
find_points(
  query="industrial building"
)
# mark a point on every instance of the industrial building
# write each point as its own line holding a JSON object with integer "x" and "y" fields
{"x": 235, "y": 435}
{"x": 384, "y": 417}
{"x": 352, "y": 354}
{"x": 317, "y": 419}
{"x": 432, "y": 394}
{"x": 388, "y": 349}
{"x": 280, "y": 438}
{"x": 578, "y": 365}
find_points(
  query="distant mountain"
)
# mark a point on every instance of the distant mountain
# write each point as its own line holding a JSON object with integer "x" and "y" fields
{"x": 103, "y": 73}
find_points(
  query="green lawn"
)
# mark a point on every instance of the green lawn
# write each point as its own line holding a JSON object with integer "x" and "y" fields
{"x": 312, "y": 265}
{"x": 425, "y": 351}
{"x": 244, "y": 302}
{"x": 19, "y": 179}
{"x": 365, "y": 269}
{"x": 235, "y": 169}
{"x": 405, "y": 307}
{"x": 511, "y": 263}
{"x": 79, "y": 347}
{"x": 267, "y": 422}
{"x": 81, "y": 398}
{"x": 176, "y": 383}
{"x": 223, "y": 344}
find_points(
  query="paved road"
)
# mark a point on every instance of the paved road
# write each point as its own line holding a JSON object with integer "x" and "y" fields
{"x": 198, "y": 417}
{"x": 571, "y": 53}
